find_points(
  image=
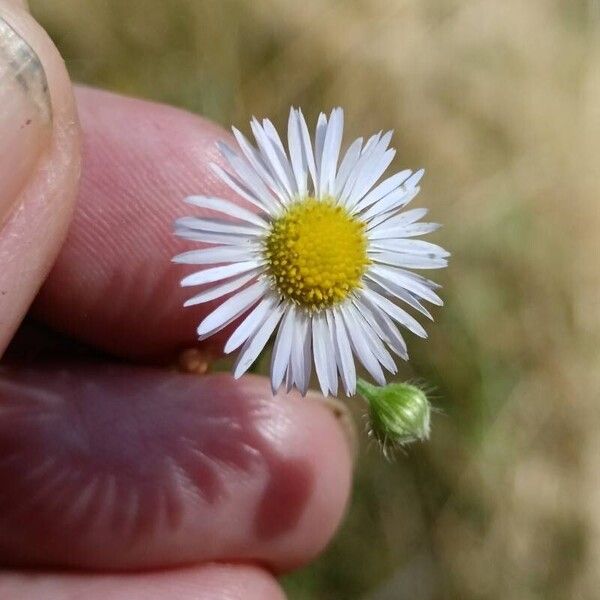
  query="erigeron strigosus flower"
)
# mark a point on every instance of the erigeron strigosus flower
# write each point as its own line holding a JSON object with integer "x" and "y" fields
{"x": 322, "y": 256}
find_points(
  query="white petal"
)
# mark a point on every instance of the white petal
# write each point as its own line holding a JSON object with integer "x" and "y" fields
{"x": 289, "y": 375}
{"x": 332, "y": 364}
{"x": 413, "y": 302}
{"x": 219, "y": 290}
{"x": 409, "y": 246}
{"x": 409, "y": 216}
{"x": 432, "y": 285}
{"x": 301, "y": 359}
{"x": 320, "y": 132}
{"x": 400, "y": 292}
{"x": 414, "y": 179}
{"x": 280, "y": 357}
{"x": 383, "y": 189}
{"x": 255, "y": 159}
{"x": 395, "y": 312}
{"x": 289, "y": 379}
{"x": 417, "y": 229}
{"x": 410, "y": 281}
{"x": 365, "y": 153}
{"x": 372, "y": 172}
{"x": 393, "y": 201}
{"x": 220, "y": 254}
{"x": 228, "y": 208}
{"x": 272, "y": 160}
{"x": 248, "y": 175}
{"x": 297, "y": 156}
{"x": 409, "y": 261}
{"x": 388, "y": 331}
{"x": 372, "y": 161}
{"x": 372, "y": 153}
{"x": 308, "y": 149}
{"x": 212, "y": 238}
{"x": 307, "y": 359}
{"x": 218, "y": 226}
{"x": 371, "y": 143}
{"x": 348, "y": 164}
{"x": 239, "y": 188}
{"x": 322, "y": 352}
{"x": 380, "y": 218}
{"x": 360, "y": 343}
{"x": 344, "y": 357}
{"x": 231, "y": 309}
{"x": 254, "y": 345}
{"x": 375, "y": 336}
{"x": 251, "y": 323}
{"x": 217, "y": 273}
{"x": 331, "y": 151}
{"x": 384, "y": 231}
{"x": 281, "y": 154}
{"x": 393, "y": 219}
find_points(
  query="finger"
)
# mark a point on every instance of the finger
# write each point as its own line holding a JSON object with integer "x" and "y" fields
{"x": 18, "y": 3}
{"x": 120, "y": 467}
{"x": 38, "y": 161}
{"x": 209, "y": 582}
{"x": 114, "y": 284}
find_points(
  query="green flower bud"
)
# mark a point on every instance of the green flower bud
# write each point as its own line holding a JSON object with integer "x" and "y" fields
{"x": 399, "y": 413}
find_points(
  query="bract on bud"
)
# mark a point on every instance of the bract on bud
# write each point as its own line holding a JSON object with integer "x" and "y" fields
{"x": 399, "y": 413}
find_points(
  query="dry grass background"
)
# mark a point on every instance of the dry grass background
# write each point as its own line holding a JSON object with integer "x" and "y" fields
{"x": 500, "y": 101}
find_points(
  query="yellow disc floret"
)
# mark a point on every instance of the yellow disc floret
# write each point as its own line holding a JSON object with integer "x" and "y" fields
{"x": 316, "y": 253}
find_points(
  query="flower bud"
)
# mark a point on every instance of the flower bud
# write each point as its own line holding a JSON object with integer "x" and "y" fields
{"x": 399, "y": 413}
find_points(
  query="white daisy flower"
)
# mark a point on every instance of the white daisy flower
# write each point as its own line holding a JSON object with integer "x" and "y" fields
{"x": 321, "y": 258}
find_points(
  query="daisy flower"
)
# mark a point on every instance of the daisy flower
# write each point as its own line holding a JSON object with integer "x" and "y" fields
{"x": 321, "y": 257}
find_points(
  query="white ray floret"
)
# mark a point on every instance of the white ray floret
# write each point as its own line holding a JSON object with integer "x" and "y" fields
{"x": 318, "y": 254}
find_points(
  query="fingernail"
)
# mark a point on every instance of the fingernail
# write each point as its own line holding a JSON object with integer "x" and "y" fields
{"x": 25, "y": 114}
{"x": 342, "y": 414}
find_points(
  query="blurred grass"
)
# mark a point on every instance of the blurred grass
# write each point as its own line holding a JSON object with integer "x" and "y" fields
{"x": 500, "y": 101}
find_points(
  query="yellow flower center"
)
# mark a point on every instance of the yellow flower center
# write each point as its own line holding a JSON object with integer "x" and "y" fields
{"x": 316, "y": 253}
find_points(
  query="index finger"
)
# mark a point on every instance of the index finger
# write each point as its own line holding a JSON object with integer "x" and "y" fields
{"x": 114, "y": 285}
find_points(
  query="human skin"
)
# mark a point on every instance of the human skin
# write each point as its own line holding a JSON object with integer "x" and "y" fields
{"x": 120, "y": 477}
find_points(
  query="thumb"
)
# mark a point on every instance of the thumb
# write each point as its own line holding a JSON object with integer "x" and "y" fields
{"x": 39, "y": 160}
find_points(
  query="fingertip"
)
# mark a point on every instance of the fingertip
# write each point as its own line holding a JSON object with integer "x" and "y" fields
{"x": 319, "y": 433}
{"x": 208, "y": 582}
{"x": 40, "y": 204}
{"x": 118, "y": 467}
{"x": 326, "y": 430}
{"x": 114, "y": 284}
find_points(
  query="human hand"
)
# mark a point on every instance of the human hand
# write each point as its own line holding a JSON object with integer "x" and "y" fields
{"x": 135, "y": 482}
